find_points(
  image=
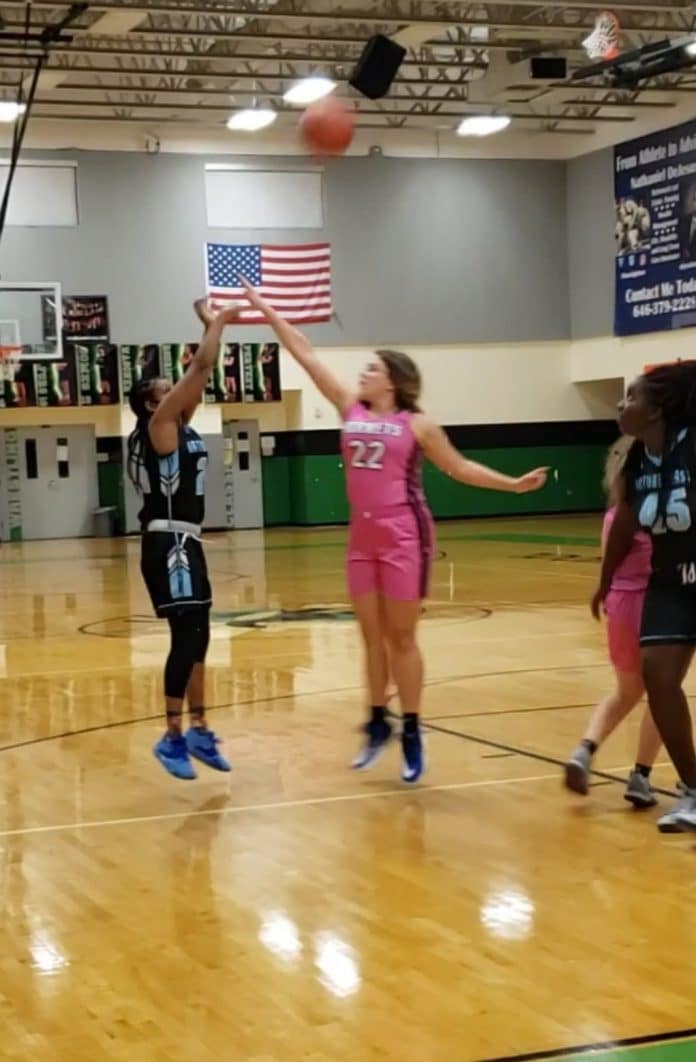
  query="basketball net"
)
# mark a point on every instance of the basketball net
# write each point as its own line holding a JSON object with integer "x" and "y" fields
{"x": 603, "y": 43}
{"x": 10, "y": 360}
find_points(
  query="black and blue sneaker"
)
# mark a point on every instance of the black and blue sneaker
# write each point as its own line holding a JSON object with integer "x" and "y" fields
{"x": 203, "y": 745}
{"x": 378, "y": 733}
{"x": 413, "y": 752}
{"x": 174, "y": 756}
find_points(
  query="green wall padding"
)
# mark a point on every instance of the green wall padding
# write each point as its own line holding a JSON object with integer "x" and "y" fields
{"x": 311, "y": 490}
{"x": 110, "y": 479}
{"x": 277, "y": 508}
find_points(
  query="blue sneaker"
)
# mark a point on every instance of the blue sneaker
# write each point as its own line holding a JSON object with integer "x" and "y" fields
{"x": 378, "y": 734}
{"x": 173, "y": 755}
{"x": 413, "y": 763}
{"x": 203, "y": 744}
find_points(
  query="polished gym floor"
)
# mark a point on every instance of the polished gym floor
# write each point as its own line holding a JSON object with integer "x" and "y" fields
{"x": 293, "y": 910}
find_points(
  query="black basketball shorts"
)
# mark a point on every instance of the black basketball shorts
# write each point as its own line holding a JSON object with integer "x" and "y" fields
{"x": 175, "y": 572}
{"x": 669, "y": 615}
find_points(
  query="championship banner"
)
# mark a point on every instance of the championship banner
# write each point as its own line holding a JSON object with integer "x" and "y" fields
{"x": 655, "y": 232}
{"x": 84, "y": 317}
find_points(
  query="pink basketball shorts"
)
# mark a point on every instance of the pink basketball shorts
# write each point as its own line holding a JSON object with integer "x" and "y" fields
{"x": 391, "y": 552}
{"x": 624, "y": 611}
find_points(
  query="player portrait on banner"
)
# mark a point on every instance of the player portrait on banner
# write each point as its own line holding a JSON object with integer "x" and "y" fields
{"x": 687, "y": 222}
{"x": 224, "y": 384}
{"x": 633, "y": 226}
{"x": 55, "y": 382}
{"x": 97, "y": 373}
{"x": 231, "y": 373}
{"x": 17, "y": 384}
{"x": 267, "y": 376}
{"x": 261, "y": 372}
{"x": 138, "y": 363}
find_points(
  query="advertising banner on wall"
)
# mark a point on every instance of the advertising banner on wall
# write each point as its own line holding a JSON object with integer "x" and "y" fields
{"x": 655, "y": 232}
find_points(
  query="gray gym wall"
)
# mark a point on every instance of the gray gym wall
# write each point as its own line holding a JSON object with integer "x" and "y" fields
{"x": 590, "y": 212}
{"x": 424, "y": 251}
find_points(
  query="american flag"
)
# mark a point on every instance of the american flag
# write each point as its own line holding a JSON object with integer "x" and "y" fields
{"x": 294, "y": 279}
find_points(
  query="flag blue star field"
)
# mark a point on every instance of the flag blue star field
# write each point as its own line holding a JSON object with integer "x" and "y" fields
{"x": 294, "y": 279}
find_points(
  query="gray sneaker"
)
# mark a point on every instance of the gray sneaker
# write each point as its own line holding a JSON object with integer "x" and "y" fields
{"x": 639, "y": 792}
{"x": 682, "y": 817}
{"x": 577, "y": 771}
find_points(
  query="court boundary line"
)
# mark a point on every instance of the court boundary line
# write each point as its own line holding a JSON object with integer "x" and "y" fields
{"x": 580, "y": 1050}
{"x": 541, "y": 757}
{"x": 280, "y": 805}
{"x": 152, "y": 718}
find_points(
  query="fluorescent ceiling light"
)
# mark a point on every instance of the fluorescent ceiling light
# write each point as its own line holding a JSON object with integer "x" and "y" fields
{"x": 10, "y": 111}
{"x": 483, "y": 125}
{"x": 251, "y": 120}
{"x": 309, "y": 90}
{"x": 690, "y": 49}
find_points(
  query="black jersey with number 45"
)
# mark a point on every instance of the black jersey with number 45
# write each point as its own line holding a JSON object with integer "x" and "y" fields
{"x": 174, "y": 485}
{"x": 667, "y": 510}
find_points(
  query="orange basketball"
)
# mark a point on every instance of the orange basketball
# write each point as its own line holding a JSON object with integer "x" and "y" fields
{"x": 327, "y": 127}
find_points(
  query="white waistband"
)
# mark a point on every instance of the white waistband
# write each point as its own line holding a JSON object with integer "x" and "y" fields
{"x": 179, "y": 527}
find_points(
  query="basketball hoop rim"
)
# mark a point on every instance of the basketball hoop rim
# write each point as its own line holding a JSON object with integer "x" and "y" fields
{"x": 10, "y": 357}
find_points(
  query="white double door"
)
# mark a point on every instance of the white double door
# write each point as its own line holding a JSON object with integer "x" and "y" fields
{"x": 58, "y": 487}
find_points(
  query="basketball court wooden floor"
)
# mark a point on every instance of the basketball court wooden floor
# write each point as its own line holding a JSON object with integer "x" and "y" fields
{"x": 296, "y": 911}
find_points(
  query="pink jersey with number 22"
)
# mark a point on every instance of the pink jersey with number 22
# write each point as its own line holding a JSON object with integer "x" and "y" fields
{"x": 382, "y": 459}
{"x": 391, "y": 530}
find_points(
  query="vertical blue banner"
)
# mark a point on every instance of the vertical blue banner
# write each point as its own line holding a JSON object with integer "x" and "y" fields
{"x": 655, "y": 232}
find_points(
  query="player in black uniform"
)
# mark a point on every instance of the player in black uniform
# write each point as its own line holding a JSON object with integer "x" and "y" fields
{"x": 659, "y": 495}
{"x": 167, "y": 462}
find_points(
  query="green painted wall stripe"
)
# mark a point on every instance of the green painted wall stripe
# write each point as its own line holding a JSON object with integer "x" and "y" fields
{"x": 310, "y": 490}
{"x": 682, "y": 1051}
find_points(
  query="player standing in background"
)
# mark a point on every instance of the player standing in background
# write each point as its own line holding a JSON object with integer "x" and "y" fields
{"x": 167, "y": 462}
{"x": 392, "y": 540}
{"x": 624, "y": 609}
{"x": 659, "y": 496}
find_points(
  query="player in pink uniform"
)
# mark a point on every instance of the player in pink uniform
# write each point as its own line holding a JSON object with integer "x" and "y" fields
{"x": 391, "y": 531}
{"x": 624, "y": 609}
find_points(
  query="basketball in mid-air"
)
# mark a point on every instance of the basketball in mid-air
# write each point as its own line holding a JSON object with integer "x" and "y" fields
{"x": 327, "y": 127}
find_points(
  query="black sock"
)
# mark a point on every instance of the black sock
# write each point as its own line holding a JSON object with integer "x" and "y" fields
{"x": 379, "y": 714}
{"x": 197, "y": 717}
{"x": 591, "y": 746}
{"x": 643, "y": 769}
{"x": 410, "y": 722}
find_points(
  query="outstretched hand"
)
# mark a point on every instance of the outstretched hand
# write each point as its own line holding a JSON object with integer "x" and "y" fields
{"x": 534, "y": 480}
{"x": 252, "y": 293}
{"x": 204, "y": 312}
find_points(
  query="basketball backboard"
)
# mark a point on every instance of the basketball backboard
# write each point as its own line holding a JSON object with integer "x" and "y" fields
{"x": 31, "y": 316}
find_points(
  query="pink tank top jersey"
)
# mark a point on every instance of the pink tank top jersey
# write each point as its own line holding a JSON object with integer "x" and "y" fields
{"x": 382, "y": 459}
{"x": 634, "y": 571}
